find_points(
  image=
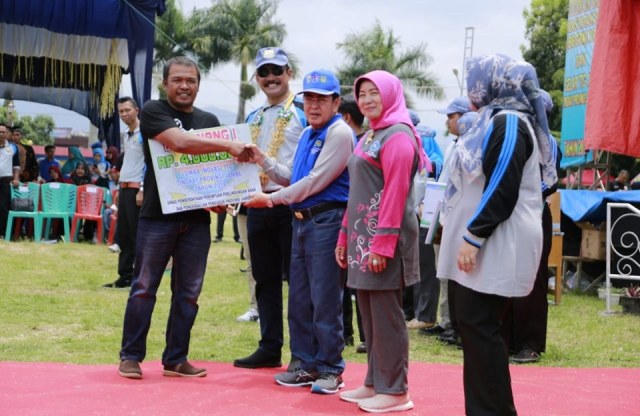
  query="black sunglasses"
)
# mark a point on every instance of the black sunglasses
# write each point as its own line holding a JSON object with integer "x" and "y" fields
{"x": 265, "y": 70}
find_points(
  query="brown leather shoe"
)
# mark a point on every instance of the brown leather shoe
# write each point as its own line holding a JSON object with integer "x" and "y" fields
{"x": 184, "y": 369}
{"x": 130, "y": 369}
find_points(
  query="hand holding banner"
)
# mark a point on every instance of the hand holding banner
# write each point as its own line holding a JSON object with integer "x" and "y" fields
{"x": 194, "y": 181}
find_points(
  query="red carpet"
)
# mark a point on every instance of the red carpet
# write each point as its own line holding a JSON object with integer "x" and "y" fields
{"x": 436, "y": 389}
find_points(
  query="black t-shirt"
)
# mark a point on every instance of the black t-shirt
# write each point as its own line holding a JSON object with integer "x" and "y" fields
{"x": 156, "y": 117}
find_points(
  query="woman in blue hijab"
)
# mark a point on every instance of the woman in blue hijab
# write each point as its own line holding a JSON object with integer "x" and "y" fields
{"x": 74, "y": 159}
{"x": 492, "y": 240}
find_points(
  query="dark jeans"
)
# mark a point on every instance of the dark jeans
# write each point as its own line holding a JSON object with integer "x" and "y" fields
{"x": 127, "y": 230}
{"x": 315, "y": 294}
{"x": 158, "y": 241}
{"x": 269, "y": 235}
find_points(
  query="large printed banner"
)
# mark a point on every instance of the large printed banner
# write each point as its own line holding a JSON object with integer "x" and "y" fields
{"x": 581, "y": 29}
{"x": 613, "y": 107}
{"x": 187, "y": 182}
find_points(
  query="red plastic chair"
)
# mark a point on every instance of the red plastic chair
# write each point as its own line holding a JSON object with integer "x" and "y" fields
{"x": 89, "y": 202}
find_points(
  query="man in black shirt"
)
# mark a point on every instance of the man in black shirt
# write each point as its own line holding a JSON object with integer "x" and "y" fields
{"x": 183, "y": 236}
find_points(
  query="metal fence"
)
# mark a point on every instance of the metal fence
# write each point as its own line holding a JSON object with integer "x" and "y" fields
{"x": 623, "y": 245}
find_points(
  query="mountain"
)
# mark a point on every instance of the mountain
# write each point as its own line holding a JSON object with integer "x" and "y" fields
{"x": 79, "y": 123}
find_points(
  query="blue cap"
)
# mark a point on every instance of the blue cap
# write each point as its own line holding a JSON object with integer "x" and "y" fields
{"x": 274, "y": 56}
{"x": 415, "y": 118}
{"x": 322, "y": 82}
{"x": 546, "y": 100}
{"x": 458, "y": 105}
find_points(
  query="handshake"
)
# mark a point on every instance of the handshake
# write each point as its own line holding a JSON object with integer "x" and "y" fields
{"x": 244, "y": 152}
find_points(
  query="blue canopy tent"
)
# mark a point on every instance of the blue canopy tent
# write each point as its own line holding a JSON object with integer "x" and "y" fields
{"x": 72, "y": 54}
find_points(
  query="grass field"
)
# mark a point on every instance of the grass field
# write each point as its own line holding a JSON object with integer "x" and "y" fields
{"x": 53, "y": 308}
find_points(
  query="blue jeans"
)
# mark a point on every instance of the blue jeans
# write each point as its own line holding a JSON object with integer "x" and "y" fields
{"x": 315, "y": 294}
{"x": 157, "y": 241}
{"x": 269, "y": 235}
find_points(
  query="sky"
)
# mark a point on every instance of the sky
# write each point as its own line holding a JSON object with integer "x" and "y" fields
{"x": 314, "y": 27}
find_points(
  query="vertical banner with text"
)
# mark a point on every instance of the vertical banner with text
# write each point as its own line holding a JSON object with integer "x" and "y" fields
{"x": 187, "y": 182}
{"x": 581, "y": 29}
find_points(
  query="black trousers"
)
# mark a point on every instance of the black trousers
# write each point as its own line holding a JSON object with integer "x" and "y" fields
{"x": 487, "y": 381}
{"x": 5, "y": 201}
{"x": 525, "y": 325}
{"x": 222, "y": 216}
{"x": 127, "y": 231}
{"x": 427, "y": 291}
{"x": 269, "y": 232}
{"x": 347, "y": 313}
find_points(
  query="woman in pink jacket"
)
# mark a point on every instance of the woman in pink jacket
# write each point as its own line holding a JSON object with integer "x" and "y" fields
{"x": 378, "y": 242}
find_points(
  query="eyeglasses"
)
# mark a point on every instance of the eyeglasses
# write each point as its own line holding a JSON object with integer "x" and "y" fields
{"x": 265, "y": 70}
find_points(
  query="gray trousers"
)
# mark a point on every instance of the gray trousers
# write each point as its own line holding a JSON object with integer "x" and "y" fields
{"x": 387, "y": 339}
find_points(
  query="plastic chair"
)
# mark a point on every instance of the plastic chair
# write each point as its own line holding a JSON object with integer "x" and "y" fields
{"x": 58, "y": 201}
{"x": 89, "y": 200}
{"x": 26, "y": 190}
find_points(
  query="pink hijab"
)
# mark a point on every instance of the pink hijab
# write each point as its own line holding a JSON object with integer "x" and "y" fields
{"x": 394, "y": 108}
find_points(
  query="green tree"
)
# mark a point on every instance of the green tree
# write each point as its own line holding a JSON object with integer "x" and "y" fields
{"x": 546, "y": 31}
{"x": 171, "y": 40}
{"x": 38, "y": 129}
{"x": 234, "y": 30}
{"x": 380, "y": 49}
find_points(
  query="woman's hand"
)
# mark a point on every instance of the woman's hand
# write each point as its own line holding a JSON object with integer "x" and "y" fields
{"x": 341, "y": 256}
{"x": 467, "y": 257}
{"x": 377, "y": 263}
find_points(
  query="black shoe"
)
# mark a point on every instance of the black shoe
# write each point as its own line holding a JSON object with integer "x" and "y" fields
{"x": 118, "y": 284}
{"x": 259, "y": 359}
{"x": 217, "y": 239}
{"x": 362, "y": 348}
{"x": 348, "y": 340}
{"x": 434, "y": 330}
{"x": 450, "y": 336}
{"x": 525, "y": 356}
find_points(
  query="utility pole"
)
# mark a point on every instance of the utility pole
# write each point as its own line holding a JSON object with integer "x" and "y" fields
{"x": 468, "y": 53}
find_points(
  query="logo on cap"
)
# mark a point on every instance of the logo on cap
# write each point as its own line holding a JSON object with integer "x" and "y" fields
{"x": 268, "y": 53}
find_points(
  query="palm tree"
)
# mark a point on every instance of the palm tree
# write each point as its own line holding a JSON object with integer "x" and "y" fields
{"x": 234, "y": 30}
{"x": 379, "y": 49}
{"x": 171, "y": 39}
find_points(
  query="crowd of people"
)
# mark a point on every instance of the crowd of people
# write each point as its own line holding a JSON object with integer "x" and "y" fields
{"x": 338, "y": 217}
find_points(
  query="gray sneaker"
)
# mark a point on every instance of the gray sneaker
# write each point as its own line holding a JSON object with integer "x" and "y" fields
{"x": 296, "y": 378}
{"x": 327, "y": 383}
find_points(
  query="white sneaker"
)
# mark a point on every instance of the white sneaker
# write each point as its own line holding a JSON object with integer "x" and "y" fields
{"x": 249, "y": 316}
{"x": 114, "y": 248}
